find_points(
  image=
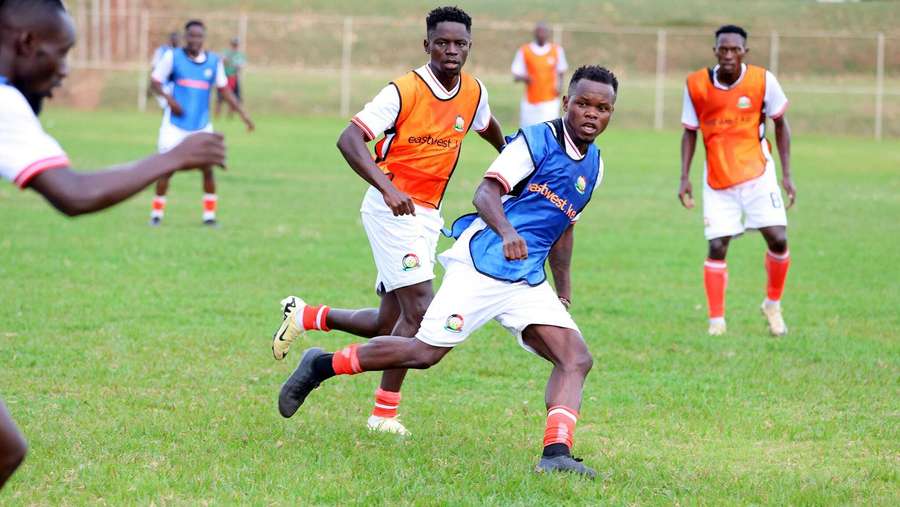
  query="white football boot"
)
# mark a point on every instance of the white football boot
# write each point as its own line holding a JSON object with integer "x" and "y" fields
{"x": 291, "y": 312}
{"x": 717, "y": 327}
{"x": 772, "y": 311}
{"x": 387, "y": 425}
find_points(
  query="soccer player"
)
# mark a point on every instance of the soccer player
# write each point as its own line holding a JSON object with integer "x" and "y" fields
{"x": 424, "y": 116}
{"x": 157, "y": 57}
{"x": 193, "y": 73}
{"x": 527, "y": 205}
{"x": 35, "y": 39}
{"x": 540, "y": 65}
{"x": 233, "y": 60}
{"x": 729, "y": 103}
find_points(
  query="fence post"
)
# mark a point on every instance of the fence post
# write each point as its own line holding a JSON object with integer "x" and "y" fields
{"x": 346, "y": 53}
{"x": 107, "y": 32}
{"x": 879, "y": 87}
{"x": 242, "y": 32}
{"x": 95, "y": 31}
{"x": 143, "y": 64}
{"x": 558, "y": 34}
{"x": 660, "y": 79}
{"x": 773, "y": 52}
{"x": 121, "y": 14}
{"x": 81, "y": 26}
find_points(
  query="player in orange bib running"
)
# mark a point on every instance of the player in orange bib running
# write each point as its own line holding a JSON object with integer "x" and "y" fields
{"x": 424, "y": 116}
{"x": 540, "y": 65}
{"x": 729, "y": 103}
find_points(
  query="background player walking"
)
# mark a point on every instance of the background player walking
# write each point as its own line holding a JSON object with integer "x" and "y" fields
{"x": 34, "y": 43}
{"x": 729, "y": 103}
{"x": 540, "y": 65}
{"x": 193, "y": 73}
{"x": 527, "y": 204}
{"x": 424, "y": 116}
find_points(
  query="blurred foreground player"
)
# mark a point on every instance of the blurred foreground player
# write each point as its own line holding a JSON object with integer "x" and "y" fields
{"x": 527, "y": 205}
{"x": 193, "y": 73}
{"x": 729, "y": 103}
{"x": 424, "y": 115}
{"x": 35, "y": 37}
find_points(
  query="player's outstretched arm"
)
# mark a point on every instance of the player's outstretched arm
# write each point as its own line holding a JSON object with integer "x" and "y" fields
{"x": 76, "y": 193}
{"x": 560, "y": 262}
{"x": 352, "y": 145}
{"x": 490, "y": 209}
{"x": 688, "y": 146}
{"x": 232, "y": 101}
{"x": 783, "y": 140}
{"x": 494, "y": 134}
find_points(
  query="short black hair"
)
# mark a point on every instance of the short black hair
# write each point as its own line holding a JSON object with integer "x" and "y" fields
{"x": 731, "y": 29}
{"x": 594, "y": 73}
{"x": 20, "y": 7}
{"x": 194, "y": 22}
{"x": 441, "y": 14}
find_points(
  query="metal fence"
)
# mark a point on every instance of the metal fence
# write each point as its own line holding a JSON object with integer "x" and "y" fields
{"x": 841, "y": 83}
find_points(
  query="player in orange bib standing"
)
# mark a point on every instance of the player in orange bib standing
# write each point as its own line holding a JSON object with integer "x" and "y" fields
{"x": 424, "y": 116}
{"x": 729, "y": 103}
{"x": 540, "y": 65}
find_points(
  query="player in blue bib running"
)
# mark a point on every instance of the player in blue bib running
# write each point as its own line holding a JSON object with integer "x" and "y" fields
{"x": 527, "y": 204}
{"x": 192, "y": 74}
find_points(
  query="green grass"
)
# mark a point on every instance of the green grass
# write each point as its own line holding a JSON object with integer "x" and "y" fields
{"x": 137, "y": 360}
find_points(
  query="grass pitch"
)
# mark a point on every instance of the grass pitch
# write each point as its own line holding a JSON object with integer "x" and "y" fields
{"x": 137, "y": 360}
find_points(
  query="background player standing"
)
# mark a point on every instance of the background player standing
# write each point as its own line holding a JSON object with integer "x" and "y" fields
{"x": 527, "y": 204}
{"x": 540, "y": 65}
{"x": 233, "y": 60}
{"x": 424, "y": 116}
{"x": 34, "y": 43}
{"x": 729, "y": 104}
{"x": 193, "y": 73}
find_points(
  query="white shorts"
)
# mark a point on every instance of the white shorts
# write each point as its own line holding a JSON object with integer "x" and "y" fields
{"x": 404, "y": 247}
{"x": 758, "y": 202}
{"x": 468, "y": 299}
{"x": 537, "y": 113}
{"x": 171, "y": 136}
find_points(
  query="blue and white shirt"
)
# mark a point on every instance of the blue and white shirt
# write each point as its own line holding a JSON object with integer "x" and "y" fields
{"x": 548, "y": 182}
{"x": 192, "y": 84}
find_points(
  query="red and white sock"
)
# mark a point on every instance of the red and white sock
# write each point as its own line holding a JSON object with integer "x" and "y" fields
{"x": 560, "y": 427}
{"x": 158, "y": 207}
{"x": 776, "y": 268}
{"x": 386, "y": 403}
{"x": 715, "y": 279}
{"x": 209, "y": 206}
{"x": 345, "y": 362}
{"x": 313, "y": 318}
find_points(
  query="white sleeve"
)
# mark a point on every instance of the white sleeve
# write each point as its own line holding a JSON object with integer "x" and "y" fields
{"x": 518, "y": 64}
{"x": 482, "y": 118}
{"x": 221, "y": 78}
{"x": 379, "y": 114}
{"x": 512, "y": 165}
{"x": 688, "y": 114}
{"x": 156, "y": 56}
{"x": 25, "y": 149}
{"x": 163, "y": 68}
{"x": 561, "y": 64}
{"x": 776, "y": 100}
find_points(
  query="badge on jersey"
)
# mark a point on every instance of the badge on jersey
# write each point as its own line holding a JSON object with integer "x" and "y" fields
{"x": 743, "y": 102}
{"x": 454, "y": 323}
{"x": 460, "y": 124}
{"x": 580, "y": 184}
{"x": 207, "y": 73}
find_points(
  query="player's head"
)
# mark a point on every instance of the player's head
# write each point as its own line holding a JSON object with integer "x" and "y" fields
{"x": 35, "y": 38}
{"x": 541, "y": 33}
{"x": 590, "y": 101}
{"x": 731, "y": 47}
{"x": 235, "y": 43}
{"x": 194, "y": 36}
{"x": 449, "y": 38}
{"x": 174, "y": 39}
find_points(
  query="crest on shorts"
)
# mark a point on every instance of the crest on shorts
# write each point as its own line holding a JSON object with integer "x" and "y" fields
{"x": 743, "y": 102}
{"x": 460, "y": 124}
{"x": 410, "y": 261}
{"x": 454, "y": 323}
{"x": 580, "y": 184}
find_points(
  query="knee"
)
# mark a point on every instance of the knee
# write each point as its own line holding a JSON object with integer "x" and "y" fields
{"x": 427, "y": 356}
{"x": 580, "y": 363}
{"x": 718, "y": 248}
{"x": 778, "y": 243}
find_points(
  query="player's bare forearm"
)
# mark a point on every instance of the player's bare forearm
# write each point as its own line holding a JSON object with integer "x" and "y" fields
{"x": 232, "y": 101}
{"x": 490, "y": 208}
{"x": 560, "y": 262}
{"x": 783, "y": 141}
{"x": 688, "y": 147}
{"x": 352, "y": 146}
{"x": 494, "y": 134}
